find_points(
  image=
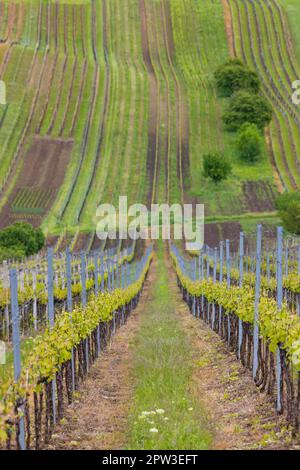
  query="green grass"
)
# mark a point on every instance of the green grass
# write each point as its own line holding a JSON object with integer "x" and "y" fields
{"x": 162, "y": 372}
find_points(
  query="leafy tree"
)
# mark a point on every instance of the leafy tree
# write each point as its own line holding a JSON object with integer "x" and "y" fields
{"x": 216, "y": 166}
{"x": 16, "y": 252}
{"x": 288, "y": 206}
{"x": 249, "y": 142}
{"x": 235, "y": 75}
{"x": 22, "y": 235}
{"x": 247, "y": 107}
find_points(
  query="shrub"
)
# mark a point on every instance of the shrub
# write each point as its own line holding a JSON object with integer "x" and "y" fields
{"x": 249, "y": 142}
{"x": 216, "y": 166}
{"x": 22, "y": 236}
{"x": 235, "y": 75}
{"x": 247, "y": 107}
{"x": 288, "y": 205}
{"x": 17, "y": 253}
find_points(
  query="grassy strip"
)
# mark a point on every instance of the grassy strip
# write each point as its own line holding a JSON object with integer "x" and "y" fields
{"x": 162, "y": 368}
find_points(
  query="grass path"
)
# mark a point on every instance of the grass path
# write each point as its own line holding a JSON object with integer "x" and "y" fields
{"x": 162, "y": 365}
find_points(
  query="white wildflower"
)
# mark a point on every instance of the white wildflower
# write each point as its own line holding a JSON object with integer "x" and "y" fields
{"x": 153, "y": 430}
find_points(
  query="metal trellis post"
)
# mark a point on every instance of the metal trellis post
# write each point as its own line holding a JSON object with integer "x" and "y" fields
{"x": 16, "y": 347}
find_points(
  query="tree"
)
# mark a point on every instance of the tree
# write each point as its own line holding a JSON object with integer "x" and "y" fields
{"x": 235, "y": 75}
{"x": 22, "y": 235}
{"x": 249, "y": 142}
{"x": 16, "y": 253}
{"x": 216, "y": 166}
{"x": 288, "y": 206}
{"x": 247, "y": 107}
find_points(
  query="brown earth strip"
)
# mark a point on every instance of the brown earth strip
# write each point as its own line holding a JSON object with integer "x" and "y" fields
{"x": 10, "y": 39}
{"x": 12, "y": 19}
{"x": 211, "y": 235}
{"x": 228, "y": 27}
{"x": 277, "y": 177}
{"x": 97, "y": 243}
{"x": 153, "y": 105}
{"x": 44, "y": 167}
{"x": 259, "y": 196}
{"x": 214, "y": 233}
{"x": 81, "y": 242}
{"x": 20, "y": 21}
{"x": 231, "y": 231}
{"x": 51, "y": 240}
{"x": 66, "y": 241}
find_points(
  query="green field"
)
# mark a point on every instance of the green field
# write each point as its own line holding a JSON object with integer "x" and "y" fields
{"x": 132, "y": 84}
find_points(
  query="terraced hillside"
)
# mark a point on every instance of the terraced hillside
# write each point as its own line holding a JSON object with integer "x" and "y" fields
{"x": 125, "y": 90}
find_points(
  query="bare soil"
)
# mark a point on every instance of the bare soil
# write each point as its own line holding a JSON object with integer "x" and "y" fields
{"x": 44, "y": 167}
{"x": 66, "y": 242}
{"x": 259, "y": 196}
{"x": 81, "y": 242}
{"x": 214, "y": 233}
{"x": 228, "y": 26}
{"x": 97, "y": 243}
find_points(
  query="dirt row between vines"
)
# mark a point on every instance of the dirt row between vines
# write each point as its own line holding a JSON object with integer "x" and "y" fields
{"x": 238, "y": 416}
